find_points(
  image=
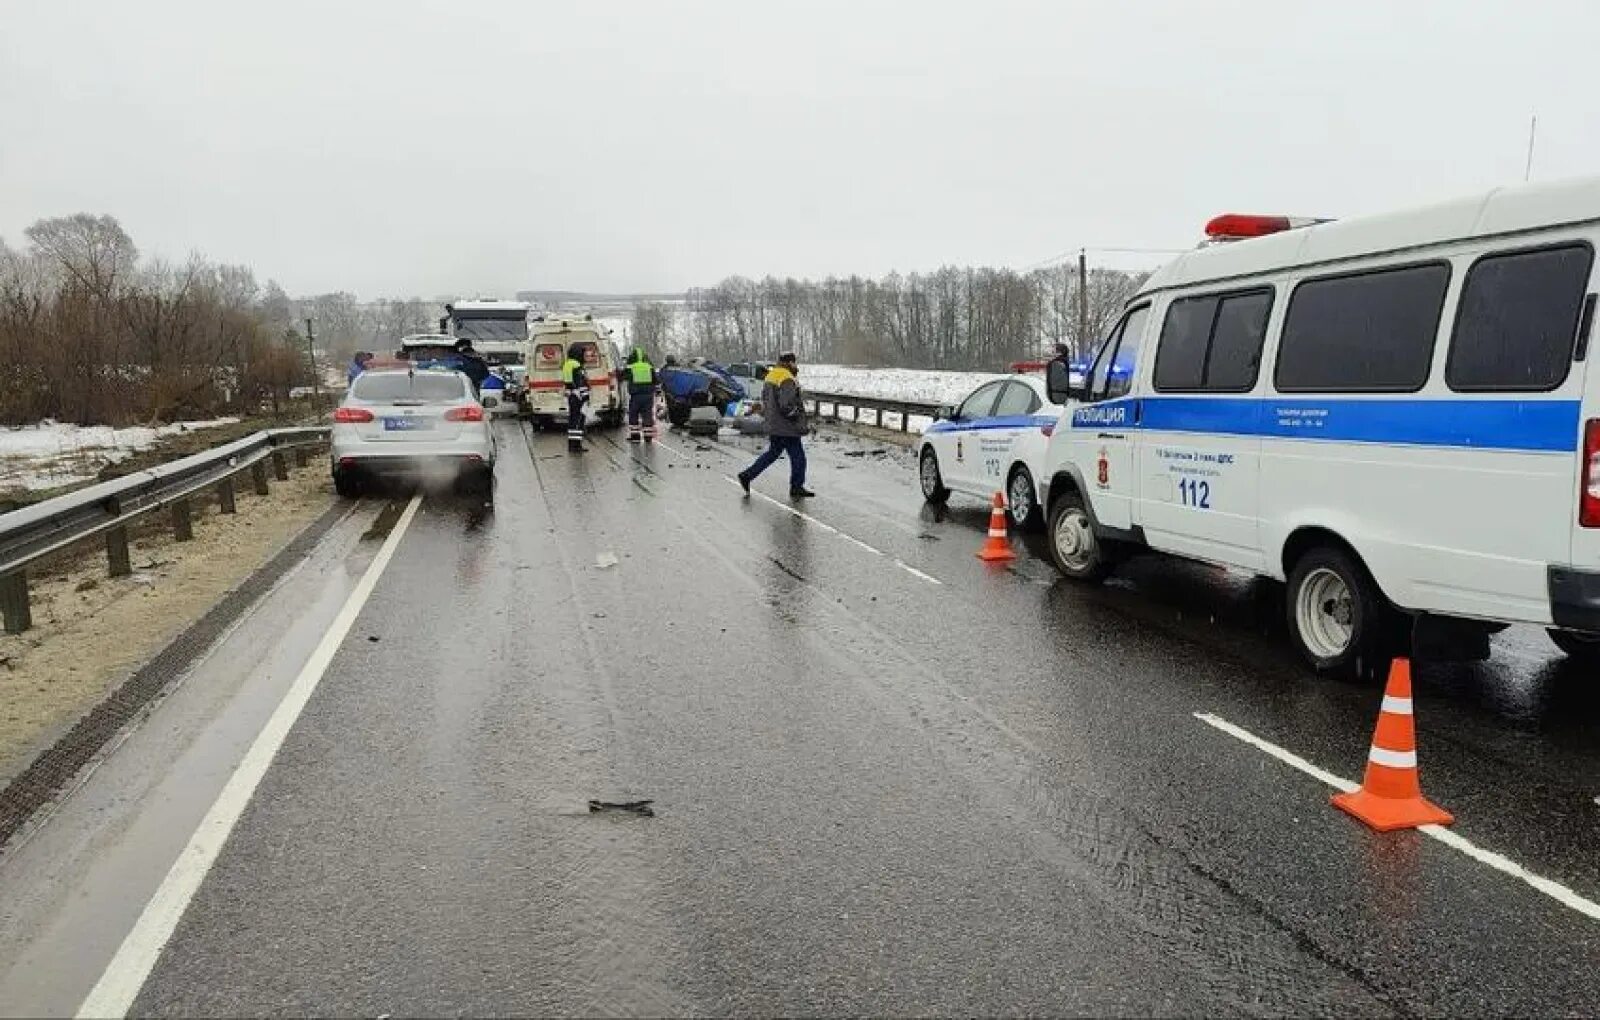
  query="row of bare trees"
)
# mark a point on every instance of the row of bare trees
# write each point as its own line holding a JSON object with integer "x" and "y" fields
{"x": 92, "y": 333}
{"x": 954, "y": 318}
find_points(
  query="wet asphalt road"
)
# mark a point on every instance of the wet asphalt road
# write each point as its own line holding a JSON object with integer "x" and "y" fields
{"x": 964, "y": 790}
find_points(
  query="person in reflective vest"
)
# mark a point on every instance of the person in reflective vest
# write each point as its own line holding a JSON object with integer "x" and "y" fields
{"x": 577, "y": 386}
{"x": 641, "y": 376}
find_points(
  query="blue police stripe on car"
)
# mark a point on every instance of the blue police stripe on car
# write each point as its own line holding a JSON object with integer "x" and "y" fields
{"x": 1012, "y": 421}
{"x": 1487, "y": 424}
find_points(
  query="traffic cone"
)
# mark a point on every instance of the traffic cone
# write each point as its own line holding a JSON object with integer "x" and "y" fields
{"x": 1391, "y": 796}
{"x": 996, "y": 549}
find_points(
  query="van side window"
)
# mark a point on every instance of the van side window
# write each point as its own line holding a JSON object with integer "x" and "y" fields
{"x": 1369, "y": 332}
{"x": 1112, "y": 375}
{"x": 1213, "y": 342}
{"x": 1517, "y": 320}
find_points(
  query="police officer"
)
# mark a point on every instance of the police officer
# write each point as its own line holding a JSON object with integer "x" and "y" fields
{"x": 641, "y": 397}
{"x": 577, "y": 386}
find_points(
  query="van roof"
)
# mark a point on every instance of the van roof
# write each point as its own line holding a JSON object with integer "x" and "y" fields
{"x": 1507, "y": 210}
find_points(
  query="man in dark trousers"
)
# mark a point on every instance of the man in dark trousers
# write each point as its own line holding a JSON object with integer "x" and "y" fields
{"x": 784, "y": 409}
{"x": 577, "y": 387}
{"x": 641, "y": 376}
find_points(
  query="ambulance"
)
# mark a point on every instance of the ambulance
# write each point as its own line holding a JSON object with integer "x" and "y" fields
{"x": 1396, "y": 416}
{"x": 543, "y": 393}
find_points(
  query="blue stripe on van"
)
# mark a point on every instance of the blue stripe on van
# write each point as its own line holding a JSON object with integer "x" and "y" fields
{"x": 1486, "y": 423}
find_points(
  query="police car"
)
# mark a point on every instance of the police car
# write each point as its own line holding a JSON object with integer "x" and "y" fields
{"x": 1395, "y": 415}
{"x": 993, "y": 440}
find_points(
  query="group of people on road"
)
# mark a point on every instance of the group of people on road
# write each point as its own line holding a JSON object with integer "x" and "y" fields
{"x": 782, "y": 408}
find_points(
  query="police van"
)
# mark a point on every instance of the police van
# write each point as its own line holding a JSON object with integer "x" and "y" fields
{"x": 1395, "y": 415}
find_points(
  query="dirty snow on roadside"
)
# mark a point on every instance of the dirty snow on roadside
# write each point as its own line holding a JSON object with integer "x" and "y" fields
{"x": 53, "y": 453}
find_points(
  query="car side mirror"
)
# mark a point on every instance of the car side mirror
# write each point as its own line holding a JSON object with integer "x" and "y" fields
{"x": 944, "y": 412}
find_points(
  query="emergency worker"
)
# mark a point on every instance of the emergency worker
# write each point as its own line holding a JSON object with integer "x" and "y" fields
{"x": 641, "y": 376}
{"x": 577, "y": 387}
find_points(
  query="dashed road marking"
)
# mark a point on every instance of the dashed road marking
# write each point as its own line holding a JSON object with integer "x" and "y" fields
{"x": 825, "y": 526}
{"x": 125, "y": 975}
{"x": 1555, "y": 890}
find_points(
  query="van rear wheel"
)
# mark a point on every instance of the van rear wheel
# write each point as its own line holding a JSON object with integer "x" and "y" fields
{"x": 1581, "y": 648}
{"x": 1335, "y": 612}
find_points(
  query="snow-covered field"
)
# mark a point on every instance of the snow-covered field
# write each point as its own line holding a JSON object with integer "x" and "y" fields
{"x": 51, "y": 454}
{"x": 894, "y": 383}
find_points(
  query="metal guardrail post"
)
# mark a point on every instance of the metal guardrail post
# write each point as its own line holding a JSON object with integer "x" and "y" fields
{"x": 14, "y": 602}
{"x": 226, "y": 503}
{"x": 880, "y": 417}
{"x": 258, "y": 473}
{"x": 118, "y": 561}
{"x": 280, "y": 467}
{"x": 300, "y": 459}
{"x": 182, "y": 520}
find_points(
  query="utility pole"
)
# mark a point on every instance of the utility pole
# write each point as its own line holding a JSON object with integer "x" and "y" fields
{"x": 1083, "y": 301}
{"x": 316, "y": 384}
{"x": 1533, "y": 128}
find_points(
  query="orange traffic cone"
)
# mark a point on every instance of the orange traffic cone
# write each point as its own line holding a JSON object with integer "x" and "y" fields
{"x": 996, "y": 549}
{"x": 1390, "y": 796}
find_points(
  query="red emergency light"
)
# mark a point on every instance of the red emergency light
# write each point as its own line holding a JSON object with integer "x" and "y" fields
{"x": 1237, "y": 226}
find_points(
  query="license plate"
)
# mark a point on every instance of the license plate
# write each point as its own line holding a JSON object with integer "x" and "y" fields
{"x": 406, "y": 424}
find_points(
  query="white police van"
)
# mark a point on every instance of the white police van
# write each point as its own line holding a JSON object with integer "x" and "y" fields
{"x": 1392, "y": 412}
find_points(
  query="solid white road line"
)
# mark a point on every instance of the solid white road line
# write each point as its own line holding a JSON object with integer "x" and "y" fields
{"x": 1555, "y": 890}
{"x": 913, "y": 571}
{"x": 125, "y": 975}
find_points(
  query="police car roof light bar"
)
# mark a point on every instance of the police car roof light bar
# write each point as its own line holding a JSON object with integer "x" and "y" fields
{"x": 1237, "y": 226}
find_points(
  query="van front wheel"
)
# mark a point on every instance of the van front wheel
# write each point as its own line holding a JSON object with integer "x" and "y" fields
{"x": 1335, "y": 612}
{"x": 1581, "y": 648}
{"x": 1073, "y": 546}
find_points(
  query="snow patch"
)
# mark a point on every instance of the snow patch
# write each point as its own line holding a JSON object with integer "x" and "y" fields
{"x": 53, "y": 453}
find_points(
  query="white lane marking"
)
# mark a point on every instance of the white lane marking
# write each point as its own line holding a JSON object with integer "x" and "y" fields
{"x": 1555, "y": 890}
{"x": 913, "y": 571}
{"x": 125, "y": 975}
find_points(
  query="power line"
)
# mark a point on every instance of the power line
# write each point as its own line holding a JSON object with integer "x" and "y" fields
{"x": 1070, "y": 252}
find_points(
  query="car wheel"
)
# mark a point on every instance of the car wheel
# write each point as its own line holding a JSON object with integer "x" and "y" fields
{"x": 1336, "y": 614}
{"x": 1020, "y": 501}
{"x": 1581, "y": 648}
{"x": 1074, "y": 548}
{"x": 347, "y": 484}
{"x": 933, "y": 489}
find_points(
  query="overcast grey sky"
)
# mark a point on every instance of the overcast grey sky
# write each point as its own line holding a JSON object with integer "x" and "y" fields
{"x": 396, "y": 148}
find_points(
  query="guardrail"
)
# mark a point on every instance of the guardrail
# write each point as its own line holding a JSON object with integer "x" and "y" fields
{"x": 34, "y": 532}
{"x": 904, "y": 408}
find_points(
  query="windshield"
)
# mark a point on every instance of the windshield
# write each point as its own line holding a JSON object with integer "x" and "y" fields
{"x": 381, "y": 387}
{"x": 493, "y": 330}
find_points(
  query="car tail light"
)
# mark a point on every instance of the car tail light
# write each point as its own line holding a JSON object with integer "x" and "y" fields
{"x": 472, "y": 412}
{"x": 1589, "y": 497}
{"x": 352, "y": 415}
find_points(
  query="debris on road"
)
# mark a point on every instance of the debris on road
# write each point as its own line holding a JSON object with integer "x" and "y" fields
{"x": 637, "y": 807}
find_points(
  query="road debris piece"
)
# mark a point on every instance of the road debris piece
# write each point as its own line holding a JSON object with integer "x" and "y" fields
{"x": 637, "y": 807}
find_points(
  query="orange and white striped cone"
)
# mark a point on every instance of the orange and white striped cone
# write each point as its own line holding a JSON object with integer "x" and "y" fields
{"x": 1391, "y": 795}
{"x": 996, "y": 549}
